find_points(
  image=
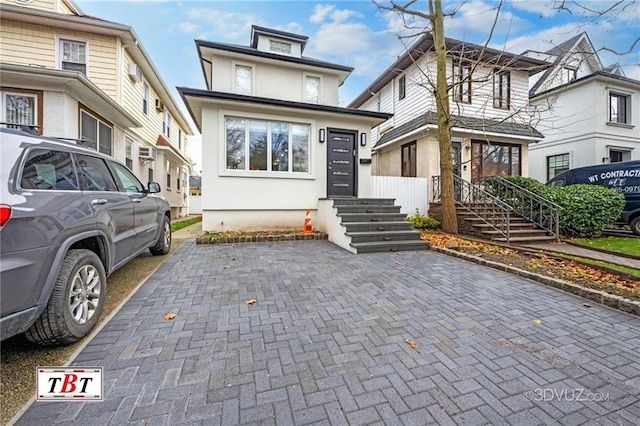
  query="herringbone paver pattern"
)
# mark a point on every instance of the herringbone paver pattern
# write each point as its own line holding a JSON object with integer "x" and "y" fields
{"x": 326, "y": 344}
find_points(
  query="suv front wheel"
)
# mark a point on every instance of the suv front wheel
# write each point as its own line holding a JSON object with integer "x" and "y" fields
{"x": 75, "y": 303}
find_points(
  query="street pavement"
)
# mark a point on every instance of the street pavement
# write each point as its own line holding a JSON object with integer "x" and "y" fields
{"x": 330, "y": 340}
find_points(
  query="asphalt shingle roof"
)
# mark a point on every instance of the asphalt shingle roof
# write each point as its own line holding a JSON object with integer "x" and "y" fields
{"x": 471, "y": 123}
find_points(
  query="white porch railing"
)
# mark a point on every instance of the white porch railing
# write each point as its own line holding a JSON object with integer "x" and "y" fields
{"x": 410, "y": 192}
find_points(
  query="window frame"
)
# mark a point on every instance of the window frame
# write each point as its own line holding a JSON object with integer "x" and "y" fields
{"x": 412, "y": 150}
{"x": 402, "y": 87}
{"x": 626, "y": 97}
{"x": 236, "y": 66}
{"x": 245, "y": 150}
{"x": 499, "y": 101}
{"x": 459, "y": 82}
{"x": 99, "y": 120}
{"x": 166, "y": 123}
{"x": 38, "y": 106}
{"x": 146, "y": 95}
{"x": 168, "y": 177}
{"x": 273, "y": 43}
{"x": 477, "y": 172}
{"x": 307, "y": 99}
{"x": 60, "y": 40}
{"x": 562, "y": 169}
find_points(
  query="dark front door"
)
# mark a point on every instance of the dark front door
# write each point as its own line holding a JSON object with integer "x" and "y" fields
{"x": 341, "y": 168}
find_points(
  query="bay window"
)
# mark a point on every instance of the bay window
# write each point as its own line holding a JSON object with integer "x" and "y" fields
{"x": 271, "y": 146}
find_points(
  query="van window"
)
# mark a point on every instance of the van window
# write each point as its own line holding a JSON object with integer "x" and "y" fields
{"x": 556, "y": 183}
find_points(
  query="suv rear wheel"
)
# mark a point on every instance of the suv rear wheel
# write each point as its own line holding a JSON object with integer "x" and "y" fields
{"x": 75, "y": 303}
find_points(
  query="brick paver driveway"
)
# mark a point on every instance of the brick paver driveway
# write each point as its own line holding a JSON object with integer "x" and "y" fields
{"x": 326, "y": 343}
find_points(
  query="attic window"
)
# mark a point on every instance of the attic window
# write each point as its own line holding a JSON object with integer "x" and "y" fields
{"x": 280, "y": 46}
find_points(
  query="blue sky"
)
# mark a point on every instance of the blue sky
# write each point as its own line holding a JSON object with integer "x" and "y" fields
{"x": 357, "y": 34}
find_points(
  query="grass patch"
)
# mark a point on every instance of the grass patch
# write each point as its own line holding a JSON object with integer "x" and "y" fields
{"x": 176, "y": 226}
{"x": 624, "y": 269}
{"x": 616, "y": 244}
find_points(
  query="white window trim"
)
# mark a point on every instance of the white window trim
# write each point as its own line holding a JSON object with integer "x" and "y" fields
{"x": 304, "y": 87}
{"x": 222, "y": 147}
{"x": 99, "y": 120}
{"x": 59, "y": 39}
{"x": 146, "y": 95}
{"x": 3, "y": 104}
{"x": 274, "y": 40}
{"x": 253, "y": 77}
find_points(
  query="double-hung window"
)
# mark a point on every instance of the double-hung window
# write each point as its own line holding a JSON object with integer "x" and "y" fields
{"x": 73, "y": 55}
{"x": 96, "y": 132}
{"x": 168, "y": 174}
{"x": 619, "y": 108}
{"x": 501, "y": 89}
{"x": 244, "y": 80}
{"x": 166, "y": 123}
{"x": 145, "y": 99}
{"x": 462, "y": 82}
{"x": 271, "y": 146}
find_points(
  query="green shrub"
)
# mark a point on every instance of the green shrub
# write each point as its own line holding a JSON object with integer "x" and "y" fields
{"x": 530, "y": 184}
{"x": 587, "y": 209}
{"x": 421, "y": 221}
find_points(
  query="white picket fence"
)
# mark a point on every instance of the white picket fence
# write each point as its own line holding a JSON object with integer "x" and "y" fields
{"x": 410, "y": 192}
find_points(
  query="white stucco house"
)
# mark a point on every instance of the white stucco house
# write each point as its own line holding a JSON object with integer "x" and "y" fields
{"x": 489, "y": 104}
{"x": 589, "y": 113}
{"x": 274, "y": 139}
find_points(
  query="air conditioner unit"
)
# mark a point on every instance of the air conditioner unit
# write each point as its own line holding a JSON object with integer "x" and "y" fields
{"x": 135, "y": 72}
{"x": 159, "y": 105}
{"x": 147, "y": 153}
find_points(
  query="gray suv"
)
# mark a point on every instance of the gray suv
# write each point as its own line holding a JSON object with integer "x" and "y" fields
{"x": 69, "y": 217}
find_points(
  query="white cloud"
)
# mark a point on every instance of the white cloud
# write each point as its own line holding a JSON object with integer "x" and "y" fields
{"x": 320, "y": 12}
{"x": 227, "y": 25}
{"x": 188, "y": 27}
{"x": 543, "y": 8}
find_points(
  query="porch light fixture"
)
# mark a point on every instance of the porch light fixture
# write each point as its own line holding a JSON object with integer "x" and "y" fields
{"x": 321, "y": 136}
{"x": 363, "y": 139}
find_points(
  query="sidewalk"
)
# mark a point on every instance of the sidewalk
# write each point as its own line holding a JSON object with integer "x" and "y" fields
{"x": 584, "y": 252}
{"x": 191, "y": 231}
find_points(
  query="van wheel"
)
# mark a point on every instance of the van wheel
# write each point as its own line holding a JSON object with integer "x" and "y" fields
{"x": 635, "y": 225}
{"x": 75, "y": 303}
{"x": 163, "y": 245}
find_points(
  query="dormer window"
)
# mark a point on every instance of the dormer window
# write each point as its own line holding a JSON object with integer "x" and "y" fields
{"x": 280, "y": 46}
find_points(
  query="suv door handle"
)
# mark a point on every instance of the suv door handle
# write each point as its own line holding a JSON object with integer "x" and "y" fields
{"x": 99, "y": 201}
{"x": 136, "y": 200}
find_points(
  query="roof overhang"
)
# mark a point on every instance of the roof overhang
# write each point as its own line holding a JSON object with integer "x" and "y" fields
{"x": 599, "y": 76}
{"x": 164, "y": 145}
{"x": 93, "y": 25}
{"x": 73, "y": 83}
{"x": 195, "y": 99}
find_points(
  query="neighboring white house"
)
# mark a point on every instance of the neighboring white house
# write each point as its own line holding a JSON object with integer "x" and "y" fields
{"x": 80, "y": 77}
{"x": 492, "y": 127}
{"x": 274, "y": 140}
{"x": 589, "y": 114}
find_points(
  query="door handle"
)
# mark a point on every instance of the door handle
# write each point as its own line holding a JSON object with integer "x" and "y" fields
{"x": 99, "y": 201}
{"x": 136, "y": 200}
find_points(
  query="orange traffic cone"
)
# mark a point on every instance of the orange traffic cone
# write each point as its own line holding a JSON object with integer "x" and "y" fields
{"x": 307, "y": 228}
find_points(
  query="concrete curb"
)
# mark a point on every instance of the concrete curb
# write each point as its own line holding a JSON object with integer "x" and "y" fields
{"x": 617, "y": 302}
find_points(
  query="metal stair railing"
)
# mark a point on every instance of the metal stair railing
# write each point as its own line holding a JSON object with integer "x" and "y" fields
{"x": 538, "y": 210}
{"x": 481, "y": 203}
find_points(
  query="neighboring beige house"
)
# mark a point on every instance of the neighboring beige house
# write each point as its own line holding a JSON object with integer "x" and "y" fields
{"x": 589, "y": 113}
{"x": 275, "y": 140}
{"x": 492, "y": 128}
{"x": 80, "y": 77}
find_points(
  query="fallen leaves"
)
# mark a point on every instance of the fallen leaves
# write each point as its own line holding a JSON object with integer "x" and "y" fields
{"x": 411, "y": 343}
{"x": 251, "y": 302}
{"x": 170, "y": 316}
{"x": 537, "y": 321}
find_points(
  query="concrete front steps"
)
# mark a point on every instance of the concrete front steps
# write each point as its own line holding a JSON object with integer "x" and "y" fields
{"x": 368, "y": 225}
{"x": 520, "y": 229}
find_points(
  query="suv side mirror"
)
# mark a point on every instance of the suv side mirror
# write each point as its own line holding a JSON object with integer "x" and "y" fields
{"x": 154, "y": 187}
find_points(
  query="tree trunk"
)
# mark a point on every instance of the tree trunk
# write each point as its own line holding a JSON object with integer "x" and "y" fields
{"x": 449, "y": 218}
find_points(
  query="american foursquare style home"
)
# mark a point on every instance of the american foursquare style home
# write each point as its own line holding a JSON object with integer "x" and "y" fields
{"x": 80, "y": 77}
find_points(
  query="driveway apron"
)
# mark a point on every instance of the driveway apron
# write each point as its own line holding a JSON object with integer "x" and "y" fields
{"x": 335, "y": 338}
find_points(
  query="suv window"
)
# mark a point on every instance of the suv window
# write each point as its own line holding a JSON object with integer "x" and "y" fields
{"x": 129, "y": 182}
{"x": 94, "y": 174}
{"x": 48, "y": 170}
